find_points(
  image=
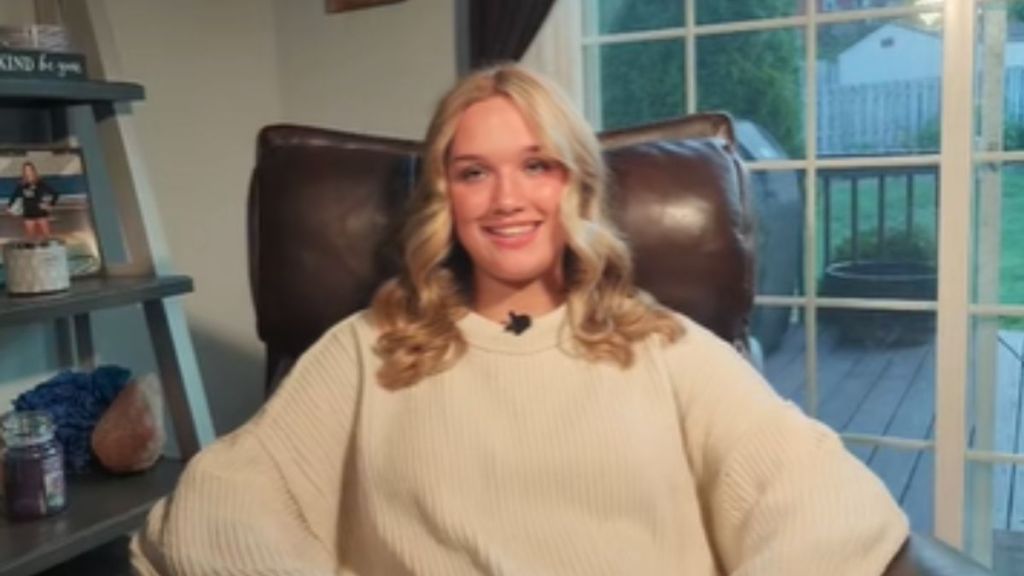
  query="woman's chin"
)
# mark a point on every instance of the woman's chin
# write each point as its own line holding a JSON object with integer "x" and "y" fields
{"x": 520, "y": 277}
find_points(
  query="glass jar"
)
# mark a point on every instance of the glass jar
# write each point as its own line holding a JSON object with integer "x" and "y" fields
{"x": 33, "y": 466}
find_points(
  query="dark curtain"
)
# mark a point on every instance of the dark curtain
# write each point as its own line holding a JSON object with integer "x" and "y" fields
{"x": 501, "y": 30}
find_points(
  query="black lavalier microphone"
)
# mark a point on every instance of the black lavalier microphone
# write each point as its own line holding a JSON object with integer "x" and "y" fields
{"x": 517, "y": 323}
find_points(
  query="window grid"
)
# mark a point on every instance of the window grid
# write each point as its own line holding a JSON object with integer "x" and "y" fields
{"x": 812, "y": 17}
{"x": 955, "y": 163}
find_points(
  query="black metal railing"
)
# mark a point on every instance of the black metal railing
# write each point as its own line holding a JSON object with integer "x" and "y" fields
{"x": 912, "y": 182}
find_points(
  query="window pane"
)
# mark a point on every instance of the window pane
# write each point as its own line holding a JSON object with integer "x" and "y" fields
{"x": 876, "y": 369}
{"x": 876, "y": 372}
{"x": 893, "y": 386}
{"x": 918, "y": 497}
{"x": 877, "y": 233}
{"x": 779, "y": 333}
{"x": 878, "y": 389}
{"x": 995, "y": 389}
{"x": 995, "y": 494}
{"x": 865, "y": 108}
{"x": 998, "y": 234}
{"x": 778, "y": 208}
{"x": 994, "y": 517}
{"x": 910, "y": 477}
{"x": 717, "y": 11}
{"x": 999, "y": 66}
{"x": 612, "y": 16}
{"x": 844, "y": 5}
{"x": 638, "y": 83}
{"x": 756, "y": 76}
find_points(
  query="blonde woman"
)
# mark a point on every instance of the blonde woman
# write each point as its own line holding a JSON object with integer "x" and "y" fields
{"x": 34, "y": 199}
{"x": 512, "y": 404}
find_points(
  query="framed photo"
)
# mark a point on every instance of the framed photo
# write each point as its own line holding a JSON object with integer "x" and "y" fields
{"x": 56, "y": 204}
{"x": 333, "y": 6}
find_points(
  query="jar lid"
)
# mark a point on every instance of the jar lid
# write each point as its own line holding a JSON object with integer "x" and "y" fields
{"x": 27, "y": 428}
{"x": 35, "y": 243}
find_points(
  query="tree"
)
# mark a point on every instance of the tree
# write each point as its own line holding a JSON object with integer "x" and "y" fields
{"x": 752, "y": 75}
{"x": 643, "y": 81}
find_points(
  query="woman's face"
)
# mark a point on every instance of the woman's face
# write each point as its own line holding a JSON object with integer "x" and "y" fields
{"x": 28, "y": 173}
{"x": 505, "y": 196}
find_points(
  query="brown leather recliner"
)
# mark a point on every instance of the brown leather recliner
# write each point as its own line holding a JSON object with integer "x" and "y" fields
{"x": 325, "y": 206}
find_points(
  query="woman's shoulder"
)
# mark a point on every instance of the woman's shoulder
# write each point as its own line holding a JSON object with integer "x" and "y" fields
{"x": 694, "y": 334}
{"x": 701, "y": 350}
{"x": 331, "y": 365}
{"x": 355, "y": 328}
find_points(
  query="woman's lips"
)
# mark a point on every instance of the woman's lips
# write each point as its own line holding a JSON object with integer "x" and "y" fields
{"x": 512, "y": 235}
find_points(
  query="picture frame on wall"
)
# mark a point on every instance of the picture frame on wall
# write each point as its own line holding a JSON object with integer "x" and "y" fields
{"x": 335, "y": 6}
{"x": 61, "y": 172}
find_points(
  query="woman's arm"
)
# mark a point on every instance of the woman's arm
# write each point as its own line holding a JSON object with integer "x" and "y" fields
{"x": 781, "y": 492}
{"x": 265, "y": 499}
{"x": 232, "y": 513}
{"x": 14, "y": 195}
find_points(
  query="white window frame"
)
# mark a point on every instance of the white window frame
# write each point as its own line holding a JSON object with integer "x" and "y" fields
{"x": 560, "y": 51}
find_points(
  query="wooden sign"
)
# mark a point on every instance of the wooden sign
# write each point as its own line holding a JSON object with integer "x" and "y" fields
{"x": 38, "y": 64}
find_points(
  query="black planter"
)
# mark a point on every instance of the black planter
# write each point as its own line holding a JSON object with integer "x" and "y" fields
{"x": 880, "y": 279}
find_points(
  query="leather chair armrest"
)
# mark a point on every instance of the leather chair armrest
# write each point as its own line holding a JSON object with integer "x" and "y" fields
{"x": 926, "y": 556}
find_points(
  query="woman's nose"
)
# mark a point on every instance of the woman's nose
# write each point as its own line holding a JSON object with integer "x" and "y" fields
{"x": 508, "y": 193}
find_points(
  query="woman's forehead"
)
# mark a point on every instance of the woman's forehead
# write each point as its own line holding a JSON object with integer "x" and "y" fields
{"x": 493, "y": 126}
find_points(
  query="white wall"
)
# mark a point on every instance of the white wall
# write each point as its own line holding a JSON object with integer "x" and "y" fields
{"x": 210, "y": 74}
{"x": 215, "y": 73}
{"x": 209, "y": 69}
{"x": 377, "y": 70}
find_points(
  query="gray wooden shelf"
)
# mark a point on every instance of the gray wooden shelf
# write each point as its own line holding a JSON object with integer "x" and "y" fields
{"x": 36, "y": 112}
{"x": 37, "y": 92}
{"x": 100, "y": 509}
{"x": 89, "y": 294}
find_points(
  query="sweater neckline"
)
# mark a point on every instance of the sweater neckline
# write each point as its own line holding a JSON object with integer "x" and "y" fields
{"x": 544, "y": 333}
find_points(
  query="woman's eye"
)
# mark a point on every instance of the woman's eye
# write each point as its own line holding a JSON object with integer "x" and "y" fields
{"x": 537, "y": 166}
{"x": 469, "y": 174}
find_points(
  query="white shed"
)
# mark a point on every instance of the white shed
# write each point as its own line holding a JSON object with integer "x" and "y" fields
{"x": 893, "y": 52}
{"x": 897, "y": 51}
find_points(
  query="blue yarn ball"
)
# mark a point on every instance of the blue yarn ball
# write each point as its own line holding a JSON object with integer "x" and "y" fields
{"x": 76, "y": 400}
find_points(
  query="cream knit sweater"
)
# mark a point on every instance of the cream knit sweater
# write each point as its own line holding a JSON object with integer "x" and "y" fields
{"x": 525, "y": 460}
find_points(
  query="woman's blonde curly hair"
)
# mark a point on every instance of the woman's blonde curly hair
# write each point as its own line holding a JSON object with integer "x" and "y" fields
{"x": 416, "y": 312}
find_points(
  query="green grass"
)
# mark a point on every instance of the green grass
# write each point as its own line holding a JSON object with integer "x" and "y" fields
{"x": 1011, "y": 264}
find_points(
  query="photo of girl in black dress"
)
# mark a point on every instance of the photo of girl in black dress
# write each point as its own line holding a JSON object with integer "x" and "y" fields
{"x": 32, "y": 200}
{"x": 44, "y": 193}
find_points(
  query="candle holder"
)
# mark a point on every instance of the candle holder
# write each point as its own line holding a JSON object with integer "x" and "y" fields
{"x": 33, "y": 465}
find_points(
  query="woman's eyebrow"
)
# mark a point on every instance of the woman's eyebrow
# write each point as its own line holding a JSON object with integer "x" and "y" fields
{"x": 532, "y": 149}
{"x": 465, "y": 158}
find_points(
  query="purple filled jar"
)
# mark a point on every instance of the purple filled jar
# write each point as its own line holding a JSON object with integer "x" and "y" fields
{"x": 33, "y": 466}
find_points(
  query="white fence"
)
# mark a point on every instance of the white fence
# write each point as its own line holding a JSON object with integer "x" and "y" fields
{"x": 893, "y": 117}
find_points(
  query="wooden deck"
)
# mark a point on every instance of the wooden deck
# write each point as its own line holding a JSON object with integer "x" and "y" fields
{"x": 890, "y": 390}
